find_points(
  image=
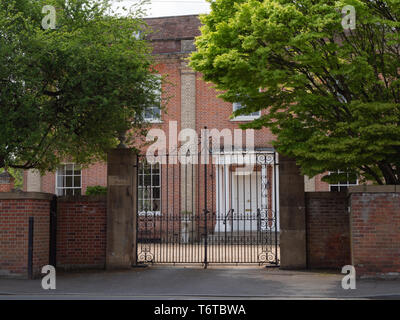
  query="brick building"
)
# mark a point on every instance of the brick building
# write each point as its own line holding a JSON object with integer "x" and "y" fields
{"x": 171, "y": 197}
{"x": 192, "y": 104}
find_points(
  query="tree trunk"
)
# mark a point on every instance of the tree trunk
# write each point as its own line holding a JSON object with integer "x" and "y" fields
{"x": 388, "y": 173}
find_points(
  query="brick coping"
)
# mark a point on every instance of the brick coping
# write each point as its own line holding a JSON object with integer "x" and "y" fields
{"x": 26, "y": 196}
{"x": 173, "y": 16}
{"x": 49, "y": 196}
{"x": 325, "y": 194}
{"x": 374, "y": 189}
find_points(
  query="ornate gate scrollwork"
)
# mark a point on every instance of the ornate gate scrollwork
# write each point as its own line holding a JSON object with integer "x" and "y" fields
{"x": 209, "y": 213}
{"x": 145, "y": 255}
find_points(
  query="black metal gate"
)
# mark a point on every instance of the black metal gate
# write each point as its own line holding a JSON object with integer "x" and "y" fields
{"x": 217, "y": 207}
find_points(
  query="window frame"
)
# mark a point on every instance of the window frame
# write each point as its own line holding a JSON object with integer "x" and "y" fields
{"x": 244, "y": 117}
{"x": 141, "y": 186}
{"x": 155, "y": 119}
{"x": 63, "y": 188}
{"x": 340, "y": 185}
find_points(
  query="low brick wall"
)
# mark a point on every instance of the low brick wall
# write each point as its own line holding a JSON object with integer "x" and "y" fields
{"x": 375, "y": 224}
{"x": 81, "y": 232}
{"x": 328, "y": 230}
{"x": 15, "y": 210}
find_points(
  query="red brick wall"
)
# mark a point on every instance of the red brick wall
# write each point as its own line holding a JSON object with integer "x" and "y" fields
{"x": 81, "y": 232}
{"x": 6, "y": 187}
{"x": 375, "y": 222}
{"x": 319, "y": 184}
{"x": 14, "y": 226}
{"x": 93, "y": 175}
{"x": 172, "y": 28}
{"x": 214, "y": 113}
{"x": 328, "y": 230}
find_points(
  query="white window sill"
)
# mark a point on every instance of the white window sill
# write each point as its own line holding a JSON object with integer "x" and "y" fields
{"x": 149, "y": 213}
{"x": 153, "y": 121}
{"x": 245, "y": 118}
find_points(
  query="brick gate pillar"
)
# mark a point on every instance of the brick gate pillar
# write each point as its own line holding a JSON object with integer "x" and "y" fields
{"x": 121, "y": 208}
{"x": 291, "y": 215}
{"x": 188, "y": 176}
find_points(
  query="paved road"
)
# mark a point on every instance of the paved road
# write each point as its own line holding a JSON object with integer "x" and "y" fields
{"x": 165, "y": 282}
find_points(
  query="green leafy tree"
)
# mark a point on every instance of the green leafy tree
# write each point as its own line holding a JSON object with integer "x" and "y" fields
{"x": 70, "y": 91}
{"x": 332, "y": 94}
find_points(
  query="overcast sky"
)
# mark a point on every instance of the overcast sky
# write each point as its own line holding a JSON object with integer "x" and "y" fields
{"x": 164, "y": 8}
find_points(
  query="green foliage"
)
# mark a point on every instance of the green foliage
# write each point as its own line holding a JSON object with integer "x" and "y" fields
{"x": 96, "y": 190}
{"x": 70, "y": 91}
{"x": 332, "y": 95}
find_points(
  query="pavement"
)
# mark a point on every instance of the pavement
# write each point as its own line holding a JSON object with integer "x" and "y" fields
{"x": 193, "y": 282}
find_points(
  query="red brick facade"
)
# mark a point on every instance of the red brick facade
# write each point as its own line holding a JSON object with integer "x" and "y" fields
{"x": 375, "y": 223}
{"x": 319, "y": 184}
{"x": 172, "y": 41}
{"x": 328, "y": 230}
{"x": 93, "y": 175}
{"x": 15, "y": 210}
{"x": 81, "y": 232}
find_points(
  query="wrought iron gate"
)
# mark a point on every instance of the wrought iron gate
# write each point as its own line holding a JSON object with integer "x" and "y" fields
{"x": 214, "y": 208}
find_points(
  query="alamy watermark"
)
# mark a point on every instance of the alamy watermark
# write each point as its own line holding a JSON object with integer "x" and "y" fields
{"x": 49, "y": 280}
{"x": 349, "y": 20}
{"x": 186, "y": 147}
{"x": 49, "y": 21}
{"x": 349, "y": 281}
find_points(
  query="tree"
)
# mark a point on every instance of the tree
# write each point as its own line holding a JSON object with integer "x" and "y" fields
{"x": 69, "y": 92}
{"x": 332, "y": 94}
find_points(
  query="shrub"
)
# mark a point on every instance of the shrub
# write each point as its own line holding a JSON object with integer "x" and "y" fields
{"x": 96, "y": 190}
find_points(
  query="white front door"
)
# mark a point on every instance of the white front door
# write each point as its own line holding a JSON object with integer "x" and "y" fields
{"x": 246, "y": 199}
